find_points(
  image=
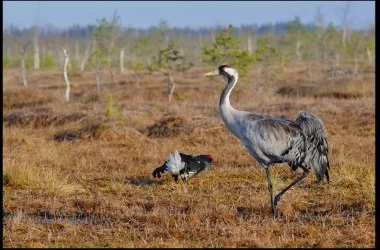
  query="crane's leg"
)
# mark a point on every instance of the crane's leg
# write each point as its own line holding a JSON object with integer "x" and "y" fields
{"x": 270, "y": 187}
{"x": 299, "y": 179}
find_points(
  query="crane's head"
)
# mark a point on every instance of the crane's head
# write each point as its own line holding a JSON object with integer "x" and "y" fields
{"x": 224, "y": 70}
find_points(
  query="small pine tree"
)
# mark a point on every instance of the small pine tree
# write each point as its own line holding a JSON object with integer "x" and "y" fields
{"x": 105, "y": 50}
{"x": 226, "y": 50}
{"x": 111, "y": 109}
{"x": 137, "y": 67}
{"x": 271, "y": 60}
{"x": 168, "y": 59}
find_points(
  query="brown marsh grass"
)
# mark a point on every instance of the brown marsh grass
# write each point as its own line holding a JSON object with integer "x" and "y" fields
{"x": 75, "y": 177}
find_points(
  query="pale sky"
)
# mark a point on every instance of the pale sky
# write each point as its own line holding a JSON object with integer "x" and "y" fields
{"x": 143, "y": 14}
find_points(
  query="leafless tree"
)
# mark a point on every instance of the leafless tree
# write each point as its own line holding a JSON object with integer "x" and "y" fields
{"x": 36, "y": 48}
{"x": 298, "y": 52}
{"x": 66, "y": 55}
{"x": 370, "y": 59}
{"x": 23, "y": 52}
{"x": 319, "y": 21}
{"x": 36, "y": 41}
{"x": 249, "y": 44}
{"x": 111, "y": 57}
{"x": 85, "y": 57}
{"x": 122, "y": 60}
{"x": 345, "y": 23}
{"x": 77, "y": 51}
{"x": 171, "y": 85}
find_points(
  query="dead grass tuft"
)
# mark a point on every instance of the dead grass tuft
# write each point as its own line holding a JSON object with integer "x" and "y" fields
{"x": 87, "y": 131}
{"x": 297, "y": 90}
{"x": 174, "y": 126}
{"x": 40, "y": 118}
{"x": 338, "y": 88}
{"x": 168, "y": 127}
{"x": 21, "y": 98}
{"x": 90, "y": 97}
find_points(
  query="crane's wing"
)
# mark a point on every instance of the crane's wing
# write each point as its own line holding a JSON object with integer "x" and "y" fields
{"x": 317, "y": 145}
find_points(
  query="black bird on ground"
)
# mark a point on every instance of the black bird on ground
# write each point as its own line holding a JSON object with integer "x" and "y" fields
{"x": 183, "y": 165}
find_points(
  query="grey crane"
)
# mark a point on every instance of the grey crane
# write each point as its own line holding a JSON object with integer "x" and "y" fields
{"x": 273, "y": 139}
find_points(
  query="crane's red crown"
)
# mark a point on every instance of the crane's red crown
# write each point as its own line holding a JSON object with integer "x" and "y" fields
{"x": 223, "y": 66}
{"x": 210, "y": 155}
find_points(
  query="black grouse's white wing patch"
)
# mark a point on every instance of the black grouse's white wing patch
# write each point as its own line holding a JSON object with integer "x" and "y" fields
{"x": 174, "y": 163}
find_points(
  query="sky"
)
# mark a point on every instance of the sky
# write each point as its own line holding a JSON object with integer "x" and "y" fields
{"x": 194, "y": 14}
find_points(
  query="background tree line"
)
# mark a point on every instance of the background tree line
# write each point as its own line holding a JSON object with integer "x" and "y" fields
{"x": 108, "y": 45}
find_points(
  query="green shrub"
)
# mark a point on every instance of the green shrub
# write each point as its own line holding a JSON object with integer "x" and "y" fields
{"x": 226, "y": 50}
{"x": 47, "y": 61}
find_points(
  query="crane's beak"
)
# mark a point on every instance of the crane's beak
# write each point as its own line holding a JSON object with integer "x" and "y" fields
{"x": 212, "y": 73}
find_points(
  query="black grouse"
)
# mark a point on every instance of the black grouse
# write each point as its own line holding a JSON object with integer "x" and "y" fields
{"x": 183, "y": 165}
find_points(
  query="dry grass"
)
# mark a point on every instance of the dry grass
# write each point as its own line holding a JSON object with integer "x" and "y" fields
{"x": 73, "y": 177}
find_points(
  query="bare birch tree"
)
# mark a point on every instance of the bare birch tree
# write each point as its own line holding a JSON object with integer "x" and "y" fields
{"x": 369, "y": 54}
{"x": 36, "y": 40}
{"x": 370, "y": 45}
{"x": 23, "y": 52}
{"x": 321, "y": 41}
{"x": 122, "y": 60}
{"x": 36, "y": 44}
{"x": 298, "y": 51}
{"x": 345, "y": 23}
{"x": 249, "y": 44}
{"x": 77, "y": 51}
{"x": 66, "y": 56}
{"x": 85, "y": 58}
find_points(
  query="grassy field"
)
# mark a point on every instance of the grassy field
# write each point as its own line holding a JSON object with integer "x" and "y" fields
{"x": 79, "y": 174}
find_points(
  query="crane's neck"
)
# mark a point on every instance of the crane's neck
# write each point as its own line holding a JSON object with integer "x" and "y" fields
{"x": 226, "y": 110}
{"x": 224, "y": 102}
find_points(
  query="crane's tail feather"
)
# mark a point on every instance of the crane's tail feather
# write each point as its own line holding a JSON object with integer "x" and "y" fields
{"x": 317, "y": 145}
{"x": 174, "y": 163}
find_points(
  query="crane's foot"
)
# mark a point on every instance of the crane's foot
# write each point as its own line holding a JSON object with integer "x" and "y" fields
{"x": 276, "y": 200}
{"x": 274, "y": 211}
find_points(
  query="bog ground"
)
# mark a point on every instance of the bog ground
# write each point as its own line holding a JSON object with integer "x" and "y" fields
{"x": 79, "y": 174}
